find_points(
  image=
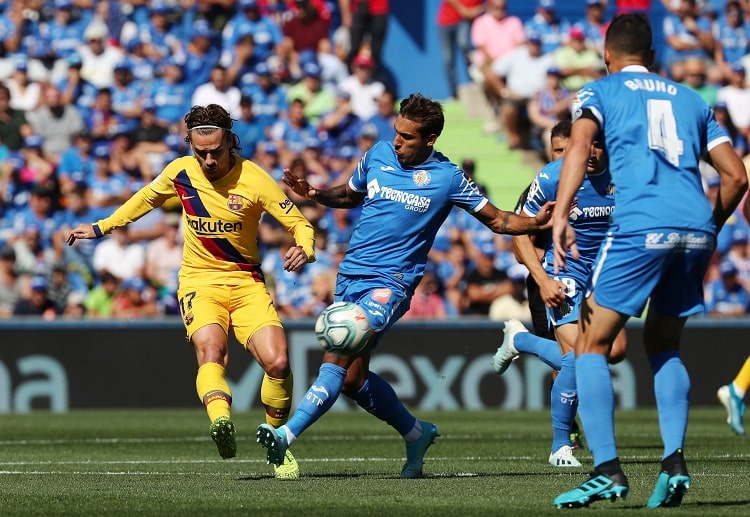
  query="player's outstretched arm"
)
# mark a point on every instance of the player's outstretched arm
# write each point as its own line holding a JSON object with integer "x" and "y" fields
{"x": 340, "y": 196}
{"x": 508, "y": 223}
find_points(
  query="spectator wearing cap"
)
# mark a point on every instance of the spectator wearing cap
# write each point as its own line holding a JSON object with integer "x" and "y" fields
{"x": 363, "y": 90}
{"x": 13, "y": 125}
{"x": 218, "y": 90}
{"x": 514, "y": 305}
{"x": 739, "y": 142}
{"x": 577, "y": 62}
{"x": 249, "y": 19}
{"x": 146, "y": 148}
{"x": 731, "y": 37}
{"x": 170, "y": 94}
{"x": 36, "y": 169}
{"x": 267, "y": 156}
{"x": 201, "y": 55}
{"x": 142, "y": 66}
{"x": 36, "y": 302}
{"x": 317, "y": 173}
{"x": 309, "y": 89}
{"x": 739, "y": 255}
{"x": 10, "y": 287}
{"x": 546, "y": 108}
{"x": 687, "y": 34}
{"x": 305, "y": 29}
{"x": 552, "y": 29}
{"x": 60, "y": 36}
{"x": 75, "y": 306}
{"x": 594, "y": 25}
{"x": 725, "y": 296}
{"x": 11, "y": 29}
{"x": 248, "y": 128}
{"x": 127, "y": 94}
{"x": 368, "y": 136}
{"x": 291, "y": 133}
{"x": 59, "y": 287}
{"x": 109, "y": 187}
{"x": 341, "y": 125}
{"x": 269, "y": 98}
{"x": 25, "y": 94}
{"x": 103, "y": 121}
{"x": 80, "y": 257}
{"x": 98, "y": 56}
{"x": 75, "y": 89}
{"x": 484, "y": 282}
{"x": 161, "y": 37}
{"x": 516, "y": 79}
{"x": 736, "y": 96}
{"x": 76, "y": 164}
{"x": 385, "y": 116}
{"x": 341, "y": 163}
{"x": 56, "y": 122}
{"x": 240, "y": 60}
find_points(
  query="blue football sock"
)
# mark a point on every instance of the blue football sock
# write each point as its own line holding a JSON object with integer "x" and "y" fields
{"x": 319, "y": 398}
{"x": 596, "y": 405}
{"x": 545, "y": 349}
{"x": 672, "y": 391}
{"x": 377, "y": 397}
{"x": 563, "y": 402}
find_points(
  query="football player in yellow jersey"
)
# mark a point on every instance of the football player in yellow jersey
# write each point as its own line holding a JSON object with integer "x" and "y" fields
{"x": 221, "y": 284}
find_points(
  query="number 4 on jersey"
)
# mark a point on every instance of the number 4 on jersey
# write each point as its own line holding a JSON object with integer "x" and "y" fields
{"x": 662, "y": 131}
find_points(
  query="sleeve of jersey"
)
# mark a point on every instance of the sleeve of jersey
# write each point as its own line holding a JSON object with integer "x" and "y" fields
{"x": 536, "y": 198}
{"x": 289, "y": 216}
{"x": 586, "y": 105}
{"x": 715, "y": 133}
{"x": 142, "y": 202}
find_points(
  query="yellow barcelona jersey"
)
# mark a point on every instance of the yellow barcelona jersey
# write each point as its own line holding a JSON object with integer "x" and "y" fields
{"x": 220, "y": 218}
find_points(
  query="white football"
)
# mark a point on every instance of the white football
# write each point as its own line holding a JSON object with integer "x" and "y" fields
{"x": 343, "y": 329}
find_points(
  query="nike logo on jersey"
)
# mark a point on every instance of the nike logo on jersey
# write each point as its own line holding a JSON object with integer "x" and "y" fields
{"x": 185, "y": 198}
{"x": 386, "y": 168}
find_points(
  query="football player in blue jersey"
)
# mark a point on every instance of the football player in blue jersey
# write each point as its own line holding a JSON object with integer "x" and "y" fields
{"x": 657, "y": 248}
{"x": 560, "y": 294}
{"x": 406, "y": 189}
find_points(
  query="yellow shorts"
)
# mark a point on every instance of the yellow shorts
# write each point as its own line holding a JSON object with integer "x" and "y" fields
{"x": 245, "y": 308}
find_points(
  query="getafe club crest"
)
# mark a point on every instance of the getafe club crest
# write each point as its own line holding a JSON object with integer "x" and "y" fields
{"x": 234, "y": 202}
{"x": 421, "y": 178}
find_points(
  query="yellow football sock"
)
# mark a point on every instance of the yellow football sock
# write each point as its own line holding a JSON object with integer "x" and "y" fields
{"x": 213, "y": 390}
{"x": 276, "y": 396}
{"x": 742, "y": 380}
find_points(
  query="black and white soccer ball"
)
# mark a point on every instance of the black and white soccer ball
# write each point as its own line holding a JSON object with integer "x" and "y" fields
{"x": 343, "y": 329}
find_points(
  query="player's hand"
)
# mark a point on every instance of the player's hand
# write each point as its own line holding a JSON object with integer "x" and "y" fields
{"x": 544, "y": 217}
{"x": 552, "y": 292}
{"x": 300, "y": 186}
{"x": 563, "y": 240}
{"x": 83, "y": 231}
{"x": 294, "y": 259}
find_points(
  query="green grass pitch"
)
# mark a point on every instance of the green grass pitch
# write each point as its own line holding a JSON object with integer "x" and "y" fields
{"x": 485, "y": 463}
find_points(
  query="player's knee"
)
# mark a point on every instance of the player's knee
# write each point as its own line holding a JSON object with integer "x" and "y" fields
{"x": 277, "y": 367}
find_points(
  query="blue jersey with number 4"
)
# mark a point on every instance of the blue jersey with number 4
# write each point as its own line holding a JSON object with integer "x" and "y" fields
{"x": 654, "y": 131}
{"x": 402, "y": 212}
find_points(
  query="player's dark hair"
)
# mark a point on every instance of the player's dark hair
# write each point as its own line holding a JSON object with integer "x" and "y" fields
{"x": 561, "y": 129}
{"x": 206, "y": 119}
{"x": 630, "y": 34}
{"x": 426, "y": 112}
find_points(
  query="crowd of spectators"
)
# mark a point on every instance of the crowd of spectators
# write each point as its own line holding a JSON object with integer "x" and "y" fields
{"x": 92, "y": 99}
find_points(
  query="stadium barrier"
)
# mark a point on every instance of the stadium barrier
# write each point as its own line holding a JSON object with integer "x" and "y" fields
{"x": 63, "y": 365}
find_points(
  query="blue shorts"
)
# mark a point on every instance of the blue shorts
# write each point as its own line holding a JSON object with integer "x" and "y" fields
{"x": 384, "y": 302}
{"x": 568, "y": 310}
{"x": 664, "y": 265}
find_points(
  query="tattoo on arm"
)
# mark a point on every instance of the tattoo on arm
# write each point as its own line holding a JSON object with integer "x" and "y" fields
{"x": 506, "y": 220}
{"x": 335, "y": 197}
